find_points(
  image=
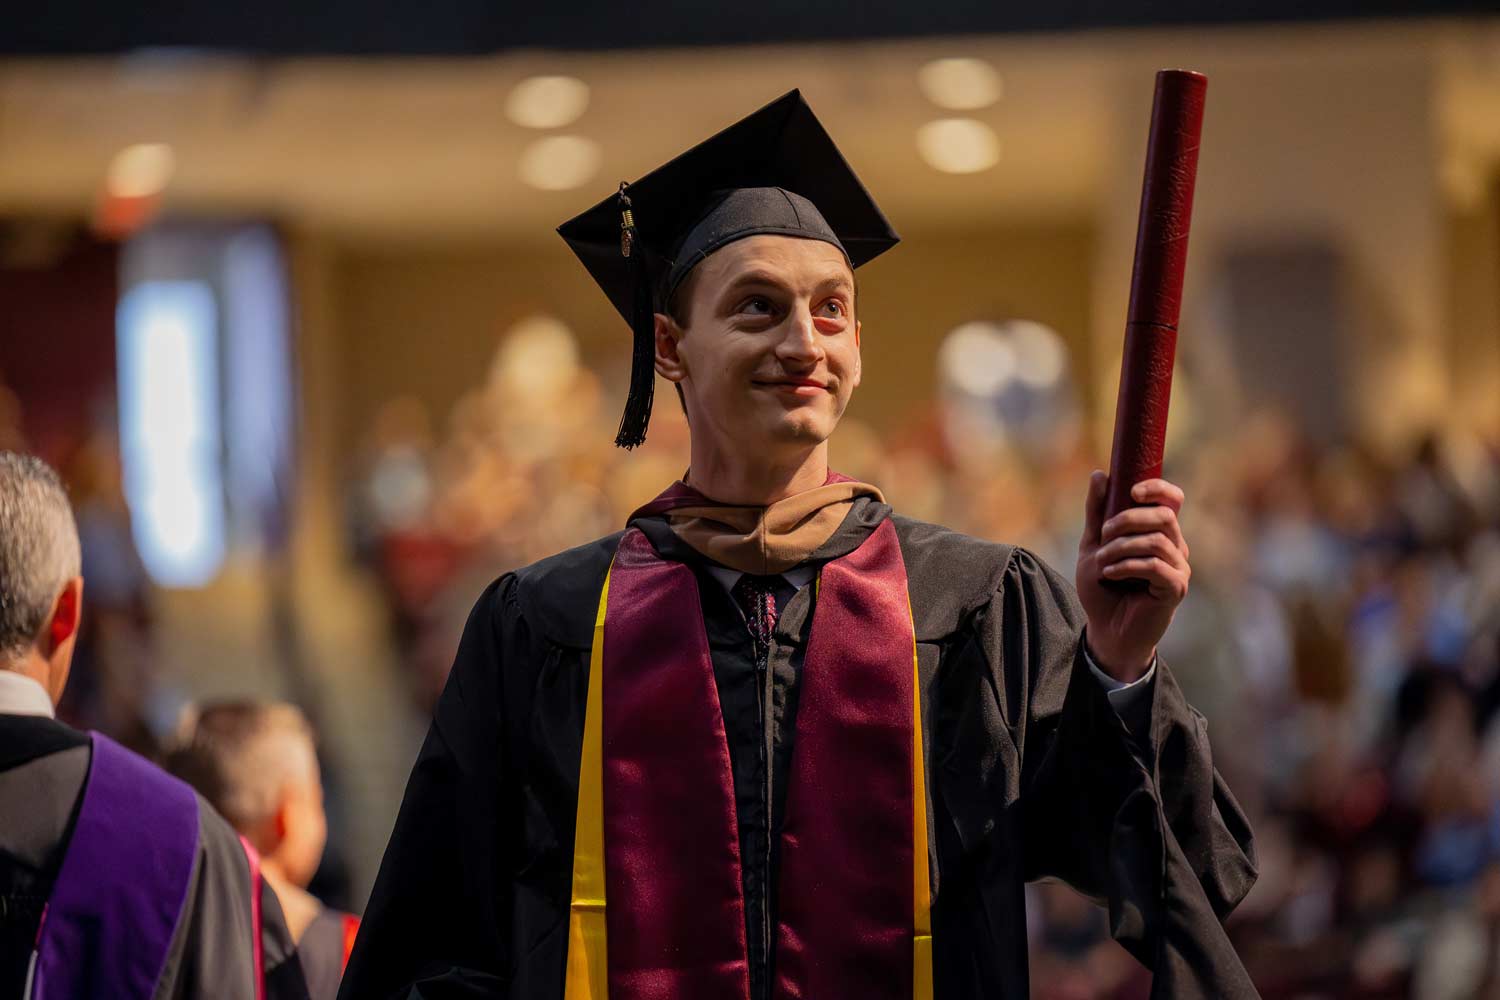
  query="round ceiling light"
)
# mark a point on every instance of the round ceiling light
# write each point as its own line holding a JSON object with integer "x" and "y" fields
{"x": 547, "y": 101}
{"x": 560, "y": 162}
{"x": 958, "y": 145}
{"x": 960, "y": 84}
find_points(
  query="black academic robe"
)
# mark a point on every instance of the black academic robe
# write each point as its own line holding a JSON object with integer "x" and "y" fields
{"x": 1031, "y": 774}
{"x": 43, "y": 764}
{"x": 321, "y": 951}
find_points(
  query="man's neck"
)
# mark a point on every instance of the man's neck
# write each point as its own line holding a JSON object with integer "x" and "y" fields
{"x": 756, "y": 483}
{"x": 298, "y": 906}
{"x": 21, "y": 694}
{"x": 33, "y": 667}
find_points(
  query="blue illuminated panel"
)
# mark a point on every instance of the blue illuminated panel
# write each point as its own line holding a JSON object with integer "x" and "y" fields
{"x": 170, "y": 437}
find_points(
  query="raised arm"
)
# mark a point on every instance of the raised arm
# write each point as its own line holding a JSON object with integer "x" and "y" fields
{"x": 1140, "y": 821}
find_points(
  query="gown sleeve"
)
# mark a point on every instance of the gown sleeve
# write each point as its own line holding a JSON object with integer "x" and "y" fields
{"x": 435, "y": 926}
{"x": 1136, "y": 818}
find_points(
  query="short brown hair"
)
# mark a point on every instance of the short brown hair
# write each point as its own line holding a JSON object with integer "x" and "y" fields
{"x": 240, "y": 754}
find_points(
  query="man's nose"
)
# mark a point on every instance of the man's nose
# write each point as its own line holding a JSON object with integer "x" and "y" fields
{"x": 801, "y": 344}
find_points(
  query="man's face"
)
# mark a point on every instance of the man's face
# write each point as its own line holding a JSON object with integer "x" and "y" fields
{"x": 767, "y": 353}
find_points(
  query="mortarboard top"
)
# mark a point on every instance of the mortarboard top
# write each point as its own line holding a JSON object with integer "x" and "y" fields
{"x": 776, "y": 171}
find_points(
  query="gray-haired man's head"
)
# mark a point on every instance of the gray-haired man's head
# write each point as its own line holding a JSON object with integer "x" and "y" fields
{"x": 40, "y": 565}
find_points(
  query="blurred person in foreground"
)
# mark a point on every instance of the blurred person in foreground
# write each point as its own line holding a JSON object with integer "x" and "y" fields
{"x": 773, "y": 739}
{"x": 257, "y": 763}
{"x": 116, "y": 879}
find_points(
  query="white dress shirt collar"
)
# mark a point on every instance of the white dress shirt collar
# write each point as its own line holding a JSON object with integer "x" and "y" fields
{"x": 20, "y": 695}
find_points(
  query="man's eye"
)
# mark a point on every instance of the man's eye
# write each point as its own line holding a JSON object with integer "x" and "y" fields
{"x": 758, "y": 304}
{"x": 834, "y": 307}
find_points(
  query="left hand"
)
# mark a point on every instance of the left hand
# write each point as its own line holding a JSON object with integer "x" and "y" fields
{"x": 1143, "y": 543}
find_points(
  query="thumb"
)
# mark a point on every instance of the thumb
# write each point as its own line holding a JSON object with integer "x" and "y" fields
{"x": 1093, "y": 509}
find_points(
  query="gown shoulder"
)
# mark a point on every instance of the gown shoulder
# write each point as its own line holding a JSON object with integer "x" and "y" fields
{"x": 953, "y": 577}
{"x": 557, "y": 596}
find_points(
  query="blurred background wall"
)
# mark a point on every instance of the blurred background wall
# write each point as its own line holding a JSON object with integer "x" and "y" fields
{"x": 284, "y": 302}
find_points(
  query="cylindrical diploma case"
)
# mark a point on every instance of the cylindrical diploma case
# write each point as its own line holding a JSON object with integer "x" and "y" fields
{"x": 1156, "y": 284}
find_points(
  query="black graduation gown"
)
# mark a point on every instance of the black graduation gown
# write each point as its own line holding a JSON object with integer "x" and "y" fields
{"x": 43, "y": 764}
{"x": 321, "y": 952}
{"x": 1031, "y": 774}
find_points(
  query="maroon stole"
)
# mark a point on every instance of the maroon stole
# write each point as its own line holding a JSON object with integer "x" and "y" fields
{"x": 846, "y": 847}
{"x": 675, "y": 915}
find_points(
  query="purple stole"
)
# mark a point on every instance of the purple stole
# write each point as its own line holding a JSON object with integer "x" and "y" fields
{"x": 672, "y": 877}
{"x": 114, "y": 908}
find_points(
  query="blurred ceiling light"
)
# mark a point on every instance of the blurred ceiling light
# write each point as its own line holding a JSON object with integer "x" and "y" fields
{"x": 977, "y": 359}
{"x": 960, "y": 84}
{"x": 140, "y": 171}
{"x": 958, "y": 145}
{"x": 559, "y": 162}
{"x": 547, "y": 101}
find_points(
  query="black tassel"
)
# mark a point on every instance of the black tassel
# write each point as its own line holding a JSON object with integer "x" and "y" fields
{"x": 643, "y": 328}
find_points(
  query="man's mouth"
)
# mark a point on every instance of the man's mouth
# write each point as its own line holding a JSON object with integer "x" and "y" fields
{"x": 793, "y": 386}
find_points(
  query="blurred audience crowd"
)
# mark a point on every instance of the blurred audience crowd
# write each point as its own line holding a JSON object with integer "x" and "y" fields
{"x": 1342, "y": 638}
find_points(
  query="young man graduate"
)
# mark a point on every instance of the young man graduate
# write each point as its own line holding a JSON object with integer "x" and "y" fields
{"x": 116, "y": 880}
{"x": 775, "y": 740}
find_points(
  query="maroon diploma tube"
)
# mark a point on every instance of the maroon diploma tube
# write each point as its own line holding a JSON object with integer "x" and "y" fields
{"x": 1161, "y": 244}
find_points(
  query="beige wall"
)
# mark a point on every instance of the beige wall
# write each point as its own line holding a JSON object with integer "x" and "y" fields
{"x": 931, "y": 283}
{"x": 423, "y": 320}
{"x": 1306, "y": 141}
{"x": 1473, "y": 336}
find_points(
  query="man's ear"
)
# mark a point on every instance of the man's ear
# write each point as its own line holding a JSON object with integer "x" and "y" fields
{"x": 281, "y": 821}
{"x": 859, "y": 366}
{"x": 67, "y": 611}
{"x": 60, "y": 635}
{"x": 668, "y": 359}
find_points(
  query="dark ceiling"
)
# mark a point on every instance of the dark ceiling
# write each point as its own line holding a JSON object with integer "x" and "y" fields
{"x": 473, "y": 27}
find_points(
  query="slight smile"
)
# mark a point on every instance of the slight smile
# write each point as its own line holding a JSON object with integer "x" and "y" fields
{"x": 793, "y": 386}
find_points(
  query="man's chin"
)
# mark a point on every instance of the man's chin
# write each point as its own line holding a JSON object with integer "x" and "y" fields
{"x": 803, "y": 429}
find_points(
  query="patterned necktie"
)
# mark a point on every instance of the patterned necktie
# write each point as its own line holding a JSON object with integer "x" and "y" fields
{"x": 760, "y": 599}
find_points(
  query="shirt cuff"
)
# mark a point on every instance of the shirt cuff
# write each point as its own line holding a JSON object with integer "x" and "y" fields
{"x": 1122, "y": 694}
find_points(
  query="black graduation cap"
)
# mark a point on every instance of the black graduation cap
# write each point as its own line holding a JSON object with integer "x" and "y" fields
{"x": 775, "y": 171}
